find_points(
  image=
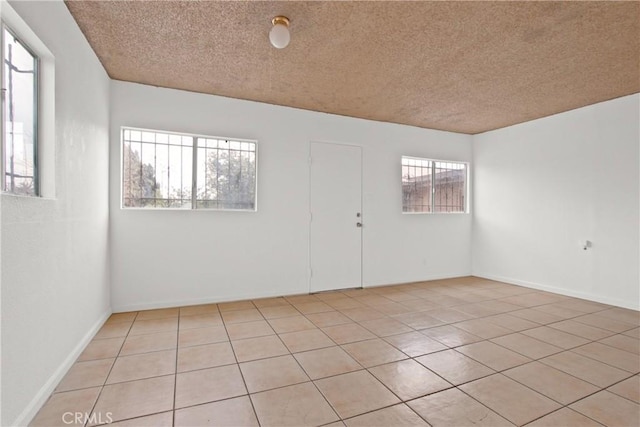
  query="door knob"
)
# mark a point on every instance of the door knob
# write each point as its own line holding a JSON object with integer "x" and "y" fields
{"x": 358, "y": 224}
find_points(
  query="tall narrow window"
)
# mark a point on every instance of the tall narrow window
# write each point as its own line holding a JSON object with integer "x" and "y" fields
{"x": 19, "y": 110}
{"x": 433, "y": 186}
{"x": 169, "y": 170}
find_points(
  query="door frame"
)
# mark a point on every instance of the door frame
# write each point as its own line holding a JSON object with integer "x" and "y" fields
{"x": 309, "y": 164}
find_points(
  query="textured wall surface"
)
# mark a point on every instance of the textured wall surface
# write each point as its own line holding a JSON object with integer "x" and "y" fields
{"x": 179, "y": 257}
{"x": 540, "y": 188}
{"x": 55, "y": 278}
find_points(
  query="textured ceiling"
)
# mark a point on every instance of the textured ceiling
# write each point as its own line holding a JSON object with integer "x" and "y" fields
{"x": 458, "y": 66}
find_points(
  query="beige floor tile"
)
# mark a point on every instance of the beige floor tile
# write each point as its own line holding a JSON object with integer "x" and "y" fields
{"x": 279, "y": 311}
{"x": 482, "y": 328}
{"x": 492, "y": 355}
{"x": 136, "y": 398}
{"x": 232, "y": 412}
{"x": 530, "y": 299}
{"x": 476, "y": 310}
{"x": 191, "y": 337}
{"x": 326, "y": 362}
{"x": 556, "y": 337}
{"x": 235, "y": 305}
{"x": 345, "y": 303}
{"x": 582, "y": 330}
{"x": 560, "y": 311}
{"x": 634, "y": 333}
{"x": 301, "y": 299}
{"x": 275, "y": 407}
{"x": 513, "y": 323}
{"x": 141, "y": 327}
{"x": 408, "y": 379}
{"x": 609, "y": 409}
{"x": 360, "y": 314}
{"x": 623, "y": 342}
{"x": 265, "y": 374}
{"x": 123, "y": 317}
{"x": 422, "y": 304}
{"x": 330, "y": 318}
{"x": 630, "y": 362}
{"x": 373, "y": 352}
{"x": 451, "y": 336}
{"x": 629, "y": 388}
{"x": 621, "y": 315}
{"x": 449, "y": 315}
{"x": 605, "y": 323}
{"x": 205, "y": 356}
{"x": 350, "y": 332}
{"x": 258, "y": 328}
{"x": 239, "y": 316}
{"x": 454, "y": 408}
{"x": 258, "y": 348}
{"x": 564, "y": 417}
{"x": 86, "y": 374}
{"x": 385, "y": 327}
{"x": 555, "y": 384}
{"x": 53, "y": 411}
{"x": 313, "y": 307}
{"x": 306, "y": 340}
{"x": 137, "y": 344}
{"x": 393, "y": 308}
{"x": 208, "y": 385}
{"x": 586, "y": 369}
{"x": 355, "y": 393}
{"x": 113, "y": 330}
{"x": 454, "y": 367}
{"x": 161, "y": 313}
{"x": 192, "y": 310}
{"x": 291, "y": 324}
{"x": 510, "y": 399}
{"x": 418, "y": 320}
{"x": 269, "y": 302}
{"x": 527, "y": 346}
{"x": 200, "y": 321}
{"x": 139, "y": 366}
{"x": 103, "y": 349}
{"x": 536, "y": 316}
{"x": 415, "y": 344}
{"x": 164, "y": 419}
{"x": 373, "y": 300}
{"x": 397, "y": 416}
{"x": 583, "y": 305}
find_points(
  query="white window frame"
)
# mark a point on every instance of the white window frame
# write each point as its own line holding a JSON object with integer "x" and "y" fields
{"x": 194, "y": 174}
{"x": 466, "y": 207}
{"x": 44, "y": 117}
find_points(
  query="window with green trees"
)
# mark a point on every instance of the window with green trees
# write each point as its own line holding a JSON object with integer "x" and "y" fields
{"x": 181, "y": 171}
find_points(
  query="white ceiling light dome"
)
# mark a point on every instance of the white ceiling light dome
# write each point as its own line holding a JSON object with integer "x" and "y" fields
{"x": 279, "y": 34}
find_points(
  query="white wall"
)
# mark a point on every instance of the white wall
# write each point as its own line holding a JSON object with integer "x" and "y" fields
{"x": 163, "y": 258}
{"x": 55, "y": 277}
{"x": 542, "y": 186}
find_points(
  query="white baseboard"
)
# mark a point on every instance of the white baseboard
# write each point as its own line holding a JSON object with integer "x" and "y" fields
{"x": 421, "y": 279}
{"x": 45, "y": 391}
{"x": 197, "y": 301}
{"x": 122, "y": 308}
{"x": 633, "y": 305}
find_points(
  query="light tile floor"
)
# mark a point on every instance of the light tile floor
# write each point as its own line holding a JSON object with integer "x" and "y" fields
{"x": 453, "y": 352}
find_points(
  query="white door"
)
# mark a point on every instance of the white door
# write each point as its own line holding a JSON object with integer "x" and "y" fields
{"x": 336, "y": 217}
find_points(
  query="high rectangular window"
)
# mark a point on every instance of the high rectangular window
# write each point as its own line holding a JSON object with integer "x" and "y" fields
{"x": 20, "y": 118}
{"x": 170, "y": 170}
{"x": 430, "y": 186}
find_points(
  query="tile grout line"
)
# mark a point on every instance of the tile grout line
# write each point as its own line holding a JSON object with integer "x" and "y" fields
{"x": 104, "y": 384}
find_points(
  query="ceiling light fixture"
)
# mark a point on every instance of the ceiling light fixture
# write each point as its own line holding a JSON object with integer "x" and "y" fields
{"x": 279, "y": 34}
